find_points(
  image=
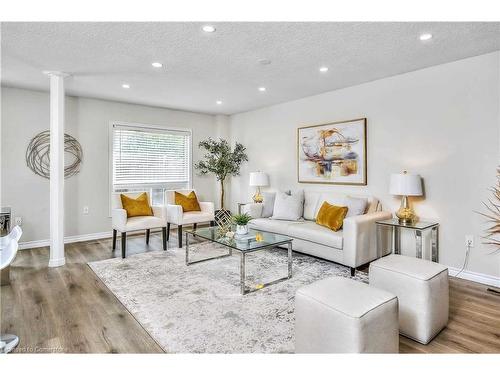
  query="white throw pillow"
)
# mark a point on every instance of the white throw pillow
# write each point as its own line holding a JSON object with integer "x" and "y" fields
{"x": 355, "y": 206}
{"x": 268, "y": 204}
{"x": 288, "y": 207}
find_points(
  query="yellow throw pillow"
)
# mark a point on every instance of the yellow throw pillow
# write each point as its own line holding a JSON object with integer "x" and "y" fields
{"x": 138, "y": 206}
{"x": 331, "y": 216}
{"x": 188, "y": 202}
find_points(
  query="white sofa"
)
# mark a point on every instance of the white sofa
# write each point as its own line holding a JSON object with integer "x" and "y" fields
{"x": 354, "y": 245}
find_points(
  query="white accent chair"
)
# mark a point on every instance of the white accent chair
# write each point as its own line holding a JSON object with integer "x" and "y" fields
{"x": 8, "y": 250}
{"x": 176, "y": 216}
{"x": 121, "y": 223}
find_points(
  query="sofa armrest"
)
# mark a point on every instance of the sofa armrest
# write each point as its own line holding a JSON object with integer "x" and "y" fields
{"x": 360, "y": 238}
{"x": 174, "y": 213}
{"x": 207, "y": 207}
{"x": 118, "y": 219}
{"x": 253, "y": 209}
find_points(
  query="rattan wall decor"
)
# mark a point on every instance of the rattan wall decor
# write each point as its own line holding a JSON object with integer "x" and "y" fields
{"x": 38, "y": 155}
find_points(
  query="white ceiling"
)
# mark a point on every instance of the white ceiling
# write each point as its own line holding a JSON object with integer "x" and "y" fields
{"x": 202, "y": 68}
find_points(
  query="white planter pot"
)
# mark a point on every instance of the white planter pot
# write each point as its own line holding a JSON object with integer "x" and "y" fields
{"x": 241, "y": 229}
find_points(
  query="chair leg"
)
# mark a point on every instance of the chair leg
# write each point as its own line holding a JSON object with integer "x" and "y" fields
{"x": 164, "y": 237}
{"x": 124, "y": 244}
{"x": 168, "y": 232}
{"x": 114, "y": 239}
{"x": 353, "y": 271}
{"x": 179, "y": 228}
{"x": 212, "y": 223}
{"x": 195, "y": 226}
{"x": 148, "y": 231}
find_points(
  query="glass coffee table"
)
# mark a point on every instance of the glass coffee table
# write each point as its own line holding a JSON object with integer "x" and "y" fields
{"x": 253, "y": 241}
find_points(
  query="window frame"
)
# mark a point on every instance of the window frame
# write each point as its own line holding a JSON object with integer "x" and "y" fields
{"x": 139, "y": 126}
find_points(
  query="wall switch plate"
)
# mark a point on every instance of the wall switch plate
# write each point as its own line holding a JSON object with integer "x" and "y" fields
{"x": 18, "y": 220}
{"x": 469, "y": 240}
{"x": 86, "y": 210}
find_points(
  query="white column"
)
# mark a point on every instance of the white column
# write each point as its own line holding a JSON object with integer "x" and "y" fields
{"x": 56, "y": 169}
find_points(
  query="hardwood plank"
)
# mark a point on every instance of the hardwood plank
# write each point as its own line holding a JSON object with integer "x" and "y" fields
{"x": 69, "y": 309}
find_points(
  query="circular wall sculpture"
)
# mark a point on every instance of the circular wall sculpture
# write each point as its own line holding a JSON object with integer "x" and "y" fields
{"x": 38, "y": 155}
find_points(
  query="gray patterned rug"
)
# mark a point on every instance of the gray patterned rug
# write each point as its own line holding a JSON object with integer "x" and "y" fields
{"x": 199, "y": 308}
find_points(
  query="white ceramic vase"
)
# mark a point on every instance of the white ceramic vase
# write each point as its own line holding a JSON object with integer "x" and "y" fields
{"x": 241, "y": 229}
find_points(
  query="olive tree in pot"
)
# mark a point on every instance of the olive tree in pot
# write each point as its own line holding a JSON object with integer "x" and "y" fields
{"x": 221, "y": 161}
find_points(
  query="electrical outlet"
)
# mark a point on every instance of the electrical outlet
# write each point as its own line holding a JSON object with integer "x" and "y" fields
{"x": 18, "y": 220}
{"x": 86, "y": 210}
{"x": 469, "y": 240}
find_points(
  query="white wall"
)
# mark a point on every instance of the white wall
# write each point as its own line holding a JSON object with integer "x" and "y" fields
{"x": 441, "y": 122}
{"x": 26, "y": 113}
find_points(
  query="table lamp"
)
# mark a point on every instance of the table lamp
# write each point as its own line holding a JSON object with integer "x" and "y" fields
{"x": 406, "y": 185}
{"x": 258, "y": 179}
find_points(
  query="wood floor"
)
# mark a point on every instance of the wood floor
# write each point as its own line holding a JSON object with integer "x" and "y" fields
{"x": 68, "y": 309}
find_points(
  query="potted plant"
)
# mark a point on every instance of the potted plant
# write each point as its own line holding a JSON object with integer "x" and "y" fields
{"x": 221, "y": 161}
{"x": 241, "y": 222}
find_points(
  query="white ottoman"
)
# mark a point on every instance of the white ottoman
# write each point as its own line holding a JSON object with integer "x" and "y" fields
{"x": 422, "y": 290}
{"x": 340, "y": 315}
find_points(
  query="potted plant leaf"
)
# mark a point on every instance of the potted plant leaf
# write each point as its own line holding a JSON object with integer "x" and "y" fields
{"x": 241, "y": 222}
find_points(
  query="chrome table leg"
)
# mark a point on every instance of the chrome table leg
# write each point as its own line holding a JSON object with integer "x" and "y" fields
{"x": 418, "y": 235}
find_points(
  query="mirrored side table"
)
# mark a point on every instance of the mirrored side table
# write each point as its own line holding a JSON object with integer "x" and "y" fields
{"x": 418, "y": 227}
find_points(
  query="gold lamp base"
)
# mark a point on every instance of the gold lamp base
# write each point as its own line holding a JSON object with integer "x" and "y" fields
{"x": 405, "y": 214}
{"x": 257, "y": 198}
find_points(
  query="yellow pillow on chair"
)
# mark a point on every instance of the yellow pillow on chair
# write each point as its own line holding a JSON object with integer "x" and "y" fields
{"x": 188, "y": 202}
{"x": 331, "y": 216}
{"x": 136, "y": 207}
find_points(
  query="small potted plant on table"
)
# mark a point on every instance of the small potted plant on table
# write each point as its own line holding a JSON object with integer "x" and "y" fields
{"x": 241, "y": 222}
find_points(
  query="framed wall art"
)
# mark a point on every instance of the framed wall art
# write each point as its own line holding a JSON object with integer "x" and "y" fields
{"x": 332, "y": 153}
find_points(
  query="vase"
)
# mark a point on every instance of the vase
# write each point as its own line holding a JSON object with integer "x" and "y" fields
{"x": 241, "y": 229}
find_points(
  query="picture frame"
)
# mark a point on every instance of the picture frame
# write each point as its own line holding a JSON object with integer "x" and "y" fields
{"x": 333, "y": 153}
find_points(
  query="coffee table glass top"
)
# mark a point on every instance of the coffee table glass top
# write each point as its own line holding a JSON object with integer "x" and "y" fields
{"x": 254, "y": 240}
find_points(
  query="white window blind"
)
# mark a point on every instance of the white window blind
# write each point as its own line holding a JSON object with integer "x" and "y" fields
{"x": 150, "y": 157}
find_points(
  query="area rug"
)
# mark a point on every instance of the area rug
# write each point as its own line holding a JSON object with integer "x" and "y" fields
{"x": 199, "y": 308}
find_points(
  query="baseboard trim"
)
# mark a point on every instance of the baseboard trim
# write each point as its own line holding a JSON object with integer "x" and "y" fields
{"x": 79, "y": 238}
{"x": 68, "y": 239}
{"x": 475, "y": 276}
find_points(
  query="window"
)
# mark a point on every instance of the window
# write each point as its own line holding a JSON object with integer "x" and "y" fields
{"x": 150, "y": 158}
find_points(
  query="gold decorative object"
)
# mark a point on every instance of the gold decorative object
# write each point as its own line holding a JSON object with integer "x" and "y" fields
{"x": 406, "y": 184}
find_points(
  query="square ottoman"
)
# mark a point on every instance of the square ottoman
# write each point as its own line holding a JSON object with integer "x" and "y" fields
{"x": 340, "y": 315}
{"x": 422, "y": 290}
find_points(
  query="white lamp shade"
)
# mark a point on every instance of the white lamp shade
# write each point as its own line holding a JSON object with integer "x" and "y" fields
{"x": 406, "y": 184}
{"x": 259, "y": 179}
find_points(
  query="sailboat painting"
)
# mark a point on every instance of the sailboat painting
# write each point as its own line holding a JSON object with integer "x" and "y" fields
{"x": 333, "y": 153}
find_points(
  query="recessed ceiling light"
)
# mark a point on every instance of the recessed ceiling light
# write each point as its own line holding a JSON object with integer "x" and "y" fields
{"x": 208, "y": 28}
{"x": 262, "y": 89}
{"x": 125, "y": 85}
{"x": 425, "y": 37}
{"x": 218, "y": 102}
{"x": 323, "y": 69}
{"x": 157, "y": 64}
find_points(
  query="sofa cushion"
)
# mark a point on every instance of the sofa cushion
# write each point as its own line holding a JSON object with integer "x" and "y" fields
{"x": 310, "y": 231}
{"x": 268, "y": 203}
{"x": 310, "y": 204}
{"x": 356, "y": 206}
{"x": 274, "y": 226}
{"x": 288, "y": 207}
{"x": 331, "y": 216}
